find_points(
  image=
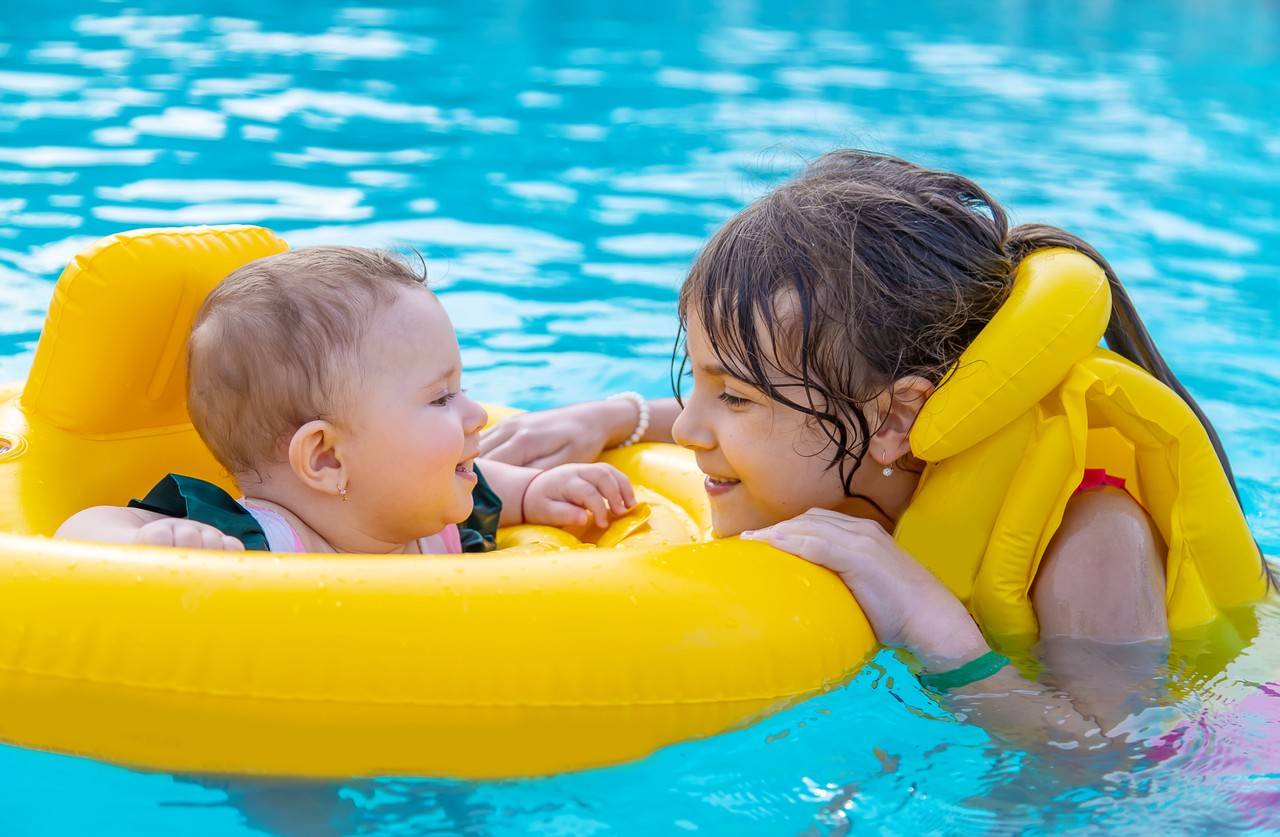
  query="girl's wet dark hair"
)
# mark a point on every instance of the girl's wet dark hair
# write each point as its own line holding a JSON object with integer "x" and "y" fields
{"x": 864, "y": 269}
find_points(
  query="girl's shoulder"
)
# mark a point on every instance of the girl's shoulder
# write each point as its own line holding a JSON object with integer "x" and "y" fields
{"x": 1102, "y": 575}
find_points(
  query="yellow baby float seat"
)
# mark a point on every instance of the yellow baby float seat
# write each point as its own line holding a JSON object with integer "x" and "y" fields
{"x": 528, "y": 660}
{"x": 1031, "y": 404}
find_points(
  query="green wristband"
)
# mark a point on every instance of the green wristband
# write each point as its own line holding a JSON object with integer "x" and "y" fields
{"x": 971, "y": 672}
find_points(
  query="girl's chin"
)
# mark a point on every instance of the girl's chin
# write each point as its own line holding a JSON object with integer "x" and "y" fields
{"x": 730, "y": 516}
{"x": 727, "y": 525}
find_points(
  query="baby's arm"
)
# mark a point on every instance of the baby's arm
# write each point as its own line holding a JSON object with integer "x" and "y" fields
{"x": 116, "y": 524}
{"x": 568, "y": 495}
{"x": 509, "y": 482}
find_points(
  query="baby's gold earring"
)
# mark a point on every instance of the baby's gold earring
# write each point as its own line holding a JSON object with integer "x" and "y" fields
{"x": 342, "y": 492}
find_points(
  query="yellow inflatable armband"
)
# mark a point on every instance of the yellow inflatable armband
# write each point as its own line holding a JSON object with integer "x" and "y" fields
{"x": 548, "y": 655}
{"x": 1031, "y": 404}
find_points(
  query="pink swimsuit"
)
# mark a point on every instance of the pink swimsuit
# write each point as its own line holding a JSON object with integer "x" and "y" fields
{"x": 1097, "y": 478}
{"x": 281, "y": 537}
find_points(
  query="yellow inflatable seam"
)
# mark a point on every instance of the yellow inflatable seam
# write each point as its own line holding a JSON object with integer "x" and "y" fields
{"x": 140, "y": 433}
{"x": 301, "y": 697}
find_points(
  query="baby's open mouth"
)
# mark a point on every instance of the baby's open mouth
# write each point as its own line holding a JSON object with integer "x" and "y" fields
{"x": 466, "y": 467}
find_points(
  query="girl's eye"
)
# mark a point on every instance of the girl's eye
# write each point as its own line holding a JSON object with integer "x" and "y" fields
{"x": 443, "y": 401}
{"x": 733, "y": 401}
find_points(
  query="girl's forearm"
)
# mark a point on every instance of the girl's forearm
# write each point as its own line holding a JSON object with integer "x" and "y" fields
{"x": 1022, "y": 712}
{"x": 1095, "y": 686}
{"x": 662, "y": 414}
{"x": 619, "y": 416}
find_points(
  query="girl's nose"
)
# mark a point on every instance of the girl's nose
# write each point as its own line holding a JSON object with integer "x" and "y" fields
{"x": 689, "y": 429}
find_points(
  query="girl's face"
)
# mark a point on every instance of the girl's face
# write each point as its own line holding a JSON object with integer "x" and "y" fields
{"x": 412, "y": 435}
{"x": 765, "y": 462}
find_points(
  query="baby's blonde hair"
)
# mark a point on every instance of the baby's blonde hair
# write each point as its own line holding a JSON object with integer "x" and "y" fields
{"x": 276, "y": 344}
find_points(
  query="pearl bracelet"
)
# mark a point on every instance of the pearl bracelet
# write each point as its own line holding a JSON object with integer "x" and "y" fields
{"x": 642, "y": 423}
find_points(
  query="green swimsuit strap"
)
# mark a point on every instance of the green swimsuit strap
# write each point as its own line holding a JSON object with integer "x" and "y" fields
{"x": 479, "y": 532}
{"x": 204, "y": 502}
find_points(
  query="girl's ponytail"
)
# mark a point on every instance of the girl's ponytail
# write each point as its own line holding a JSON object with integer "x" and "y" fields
{"x": 1126, "y": 335}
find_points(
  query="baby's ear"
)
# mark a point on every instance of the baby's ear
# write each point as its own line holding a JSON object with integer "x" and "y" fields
{"x": 314, "y": 457}
{"x": 899, "y": 406}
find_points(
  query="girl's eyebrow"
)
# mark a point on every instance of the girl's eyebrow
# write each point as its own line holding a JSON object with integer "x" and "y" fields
{"x": 716, "y": 370}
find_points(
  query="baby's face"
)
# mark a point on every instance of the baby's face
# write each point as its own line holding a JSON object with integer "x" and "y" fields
{"x": 765, "y": 462}
{"x": 413, "y": 434}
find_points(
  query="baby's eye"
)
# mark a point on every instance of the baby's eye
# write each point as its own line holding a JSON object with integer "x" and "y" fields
{"x": 734, "y": 401}
{"x": 444, "y": 400}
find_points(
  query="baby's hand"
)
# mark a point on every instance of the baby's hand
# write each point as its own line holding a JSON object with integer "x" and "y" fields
{"x": 176, "y": 531}
{"x": 577, "y": 495}
{"x": 905, "y": 603}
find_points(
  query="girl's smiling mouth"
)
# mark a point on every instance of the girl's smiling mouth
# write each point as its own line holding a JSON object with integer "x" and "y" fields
{"x": 719, "y": 485}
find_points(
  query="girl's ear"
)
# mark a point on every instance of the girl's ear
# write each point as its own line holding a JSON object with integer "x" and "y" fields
{"x": 314, "y": 457}
{"x": 898, "y": 407}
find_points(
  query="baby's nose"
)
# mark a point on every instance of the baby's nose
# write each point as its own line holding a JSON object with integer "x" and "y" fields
{"x": 477, "y": 416}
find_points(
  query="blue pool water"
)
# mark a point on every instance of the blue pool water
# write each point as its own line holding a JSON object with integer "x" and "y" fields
{"x": 558, "y": 164}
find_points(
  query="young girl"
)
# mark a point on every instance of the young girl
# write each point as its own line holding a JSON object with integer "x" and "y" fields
{"x": 819, "y": 322}
{"x": 326, "y": 381}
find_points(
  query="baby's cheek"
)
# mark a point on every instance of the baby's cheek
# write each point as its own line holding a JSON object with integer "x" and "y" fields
{"x": 442, "y": 448}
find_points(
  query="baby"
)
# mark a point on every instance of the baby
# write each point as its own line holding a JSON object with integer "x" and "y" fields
{"x": 326, "y": 381}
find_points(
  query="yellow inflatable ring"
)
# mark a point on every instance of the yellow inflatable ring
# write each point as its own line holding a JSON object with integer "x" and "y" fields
{"x": 529, "y": 660}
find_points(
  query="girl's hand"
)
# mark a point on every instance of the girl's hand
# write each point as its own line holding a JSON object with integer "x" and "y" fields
{"x": 577, "y": 495}
{"x": 176, "y": 531}
{"x": 577, "y": 433}
{"x": 906, "y": 605}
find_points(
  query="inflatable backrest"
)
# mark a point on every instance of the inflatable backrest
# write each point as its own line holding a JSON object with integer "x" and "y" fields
{"x": 103, "y": 415}
{"x": 1055, "y": 315}
{"x": 112, "y": 358}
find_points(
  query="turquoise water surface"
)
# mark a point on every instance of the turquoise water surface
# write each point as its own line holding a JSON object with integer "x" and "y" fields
{"x": 558, "y": 164}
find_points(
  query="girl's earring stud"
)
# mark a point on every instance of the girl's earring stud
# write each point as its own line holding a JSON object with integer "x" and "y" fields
{"x": 888, "y": 472}
{"x": 342, "y": 492}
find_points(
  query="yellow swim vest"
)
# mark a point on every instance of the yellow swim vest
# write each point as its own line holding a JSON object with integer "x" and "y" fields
{"x": 524, "y": 661}
{"x": 1031, "y": 404}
